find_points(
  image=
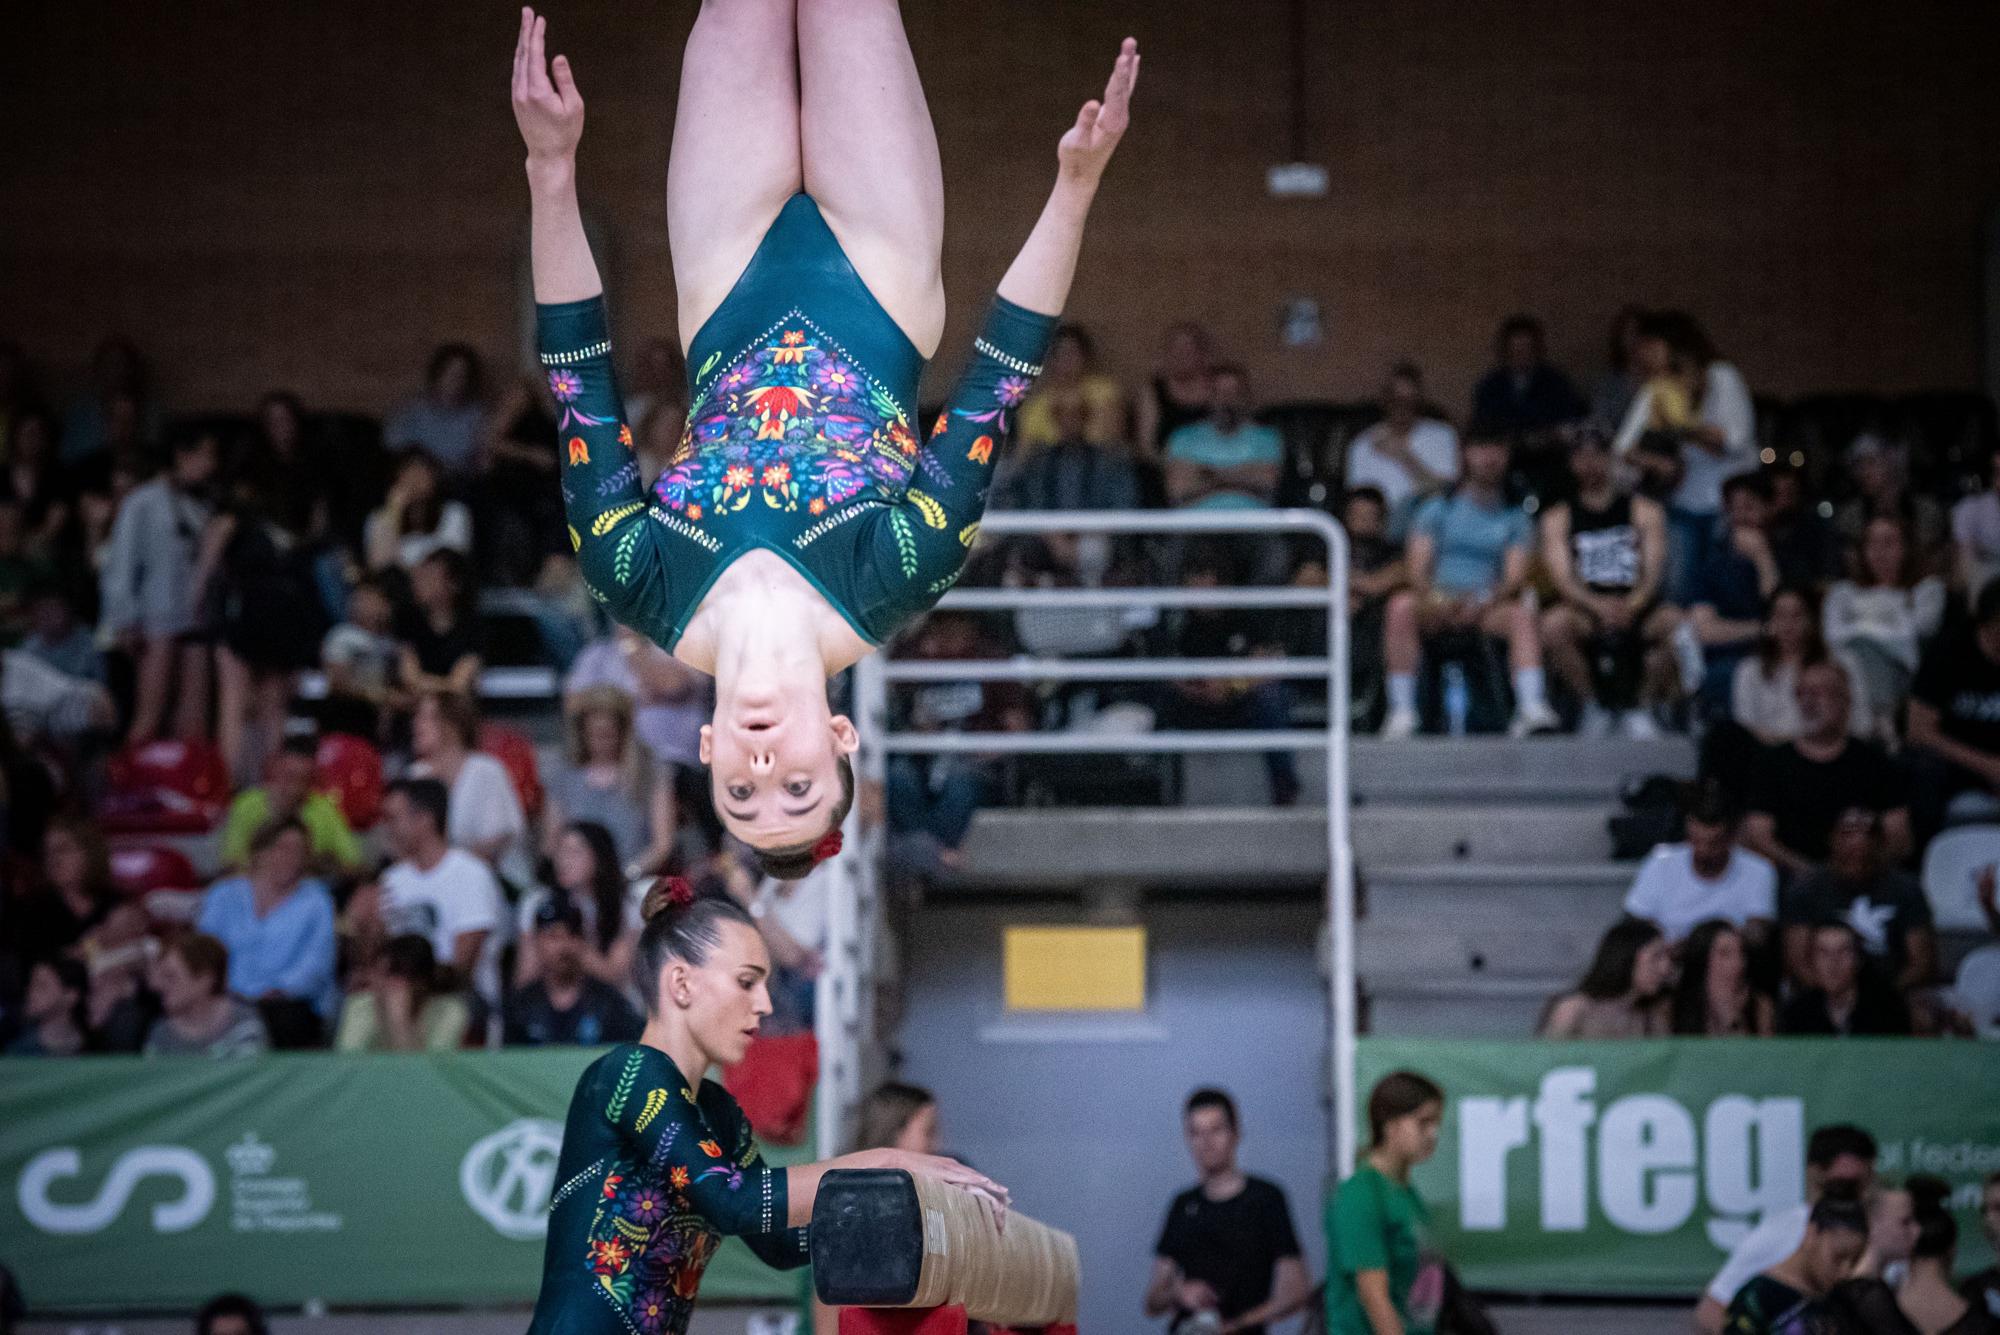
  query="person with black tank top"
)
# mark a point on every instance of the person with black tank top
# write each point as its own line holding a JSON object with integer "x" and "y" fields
{"x": 1179, "y": 390}
{"x": 1606, "y": 553}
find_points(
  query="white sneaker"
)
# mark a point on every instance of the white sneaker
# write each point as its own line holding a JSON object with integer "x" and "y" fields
{"x": 1597, "y": 721}
{"x": 1638, "y": 725}
{"x": 1688, "y": 656}
{"x": 1400, "y": 724}
{"x": 1532, "y": 719}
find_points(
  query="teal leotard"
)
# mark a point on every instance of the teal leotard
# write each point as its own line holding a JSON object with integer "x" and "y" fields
{"x": 800, "y": 439}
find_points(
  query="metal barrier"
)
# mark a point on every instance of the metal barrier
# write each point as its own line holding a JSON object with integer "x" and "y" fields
{"x": 849, "y": 1052}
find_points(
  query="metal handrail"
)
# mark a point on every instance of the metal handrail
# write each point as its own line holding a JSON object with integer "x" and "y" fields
{"x": 1096, "y": 743}
{"x": 1101, "y": 669}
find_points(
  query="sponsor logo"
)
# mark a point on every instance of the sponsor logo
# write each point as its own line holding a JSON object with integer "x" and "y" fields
{"x": 507, "y": 1177}
{"x": 188, "y": 1208}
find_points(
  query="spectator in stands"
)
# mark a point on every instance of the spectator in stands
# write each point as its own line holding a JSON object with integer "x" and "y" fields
{"x": 1689, "y": 430}
{"x": 485, "y": 813}
{"x": 1954, "y": 722}
{"x": 73, "y": 897}
{"x": 566, "y": 1004}
{"x": 1605, "y": 550}
{"x": 1764, "y": 693}
{"x": 1730, "y": 593}
{"x": 1227, "y": 1245}
{"x": 1975, "y": 535}
{"x": 1715, "y": 997}
{"x": 1408, "y": 456}
{"x": 1785, "y": 1298}
{"x": 48, "y": 709}
{"x": 1377, "y": 1224}
{"x": 1376, "y": 569}
{"x": 416, "y": 520}
{"x": 1225, "y": 461}
{"x": 449, "y": 418}
{"x": 441, "y": 641}
{"x": 670, "y": 705}
{"x": 443, "y": 894}
{"x": 607, "y": 782}
{"x": 1261, "y": 704}
{"x": 1181, "y": 387}
{"x": 1858, "y": 887}
{"x": 150, "y": 594}
{"x": 406, "y": 1007}
{"x": 231, "y": 1314}
{"x": 277, "y": 926}
{"x": 114, "y": 415}
{"x": 899, "y": 1116}
{"x": 1621, "y": 381}
{"x": 1835, "y": 1154}
{"x": 363, "y": 662}
{"x": 791, "y": 916}
{"x": 1879, "y": 474}
{"x": 583, "y": 870}
{"x": 1624, "y": 992}
{"x": 57, "y": 637}
{"x": 1070, "y": 472}
{"x": 53, "y": 1011}
{"x": 1982, "y": 1290}
{"x": 520, "y": 520}
{"x": 1798, "y": 790}
{"x": 1848, "y": 996}
{"x": 1881, "y": 619}
{"x": 1804, "y": 545}
{"x": 1709, "y": 877}
{"x": 35, "y": 479}
{"x": 198, "y": 1016}
{"x": 287, "y": 795}
{"x": 1469, "y": 557}
{"x": 1070, "y": 378}
{"x": 1524, "y": 396}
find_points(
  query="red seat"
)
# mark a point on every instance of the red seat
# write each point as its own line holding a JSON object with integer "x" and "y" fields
{"x": 773, "y": 1084}
{"x": 141, "y": 870}
{"x": 515, "y": 751}
{"x": 350, "y": 771}
{"x": 166, "y": 787}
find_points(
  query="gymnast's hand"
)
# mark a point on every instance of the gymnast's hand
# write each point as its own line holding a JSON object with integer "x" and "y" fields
{"x": 953, "y": 1172}
{"x": 1088, "y": 145}
{"x": 550, "y": 114}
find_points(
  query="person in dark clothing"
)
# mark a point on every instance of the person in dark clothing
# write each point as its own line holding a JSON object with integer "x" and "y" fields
{"x": 1850, "y": 996}
{"x": 1524, "y": 400}
{"x": 1227, "y": 1245}
{"x": 1982, "y": 1290}
{"x": 1263, "y": 704}
{"x": 1788, "y": 1299}
{"x": 566, "y": 1005}
{"x": 1883, "y": 904}
{"x": 1954, "y": 721}
{"x": 1805, "y": 545}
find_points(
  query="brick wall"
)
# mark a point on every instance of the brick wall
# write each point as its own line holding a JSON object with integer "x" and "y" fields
{"x": 312, "y": 194}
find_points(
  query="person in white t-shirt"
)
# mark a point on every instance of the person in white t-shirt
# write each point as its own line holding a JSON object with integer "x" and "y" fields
{"x": 441, "y": 893}
{"x": 486, "y": 818}
{"x": 1406, "y": 456}
{"x": 1681, "y": 886}
{"x": 1838, "y": 1153}
{"x": 1975, "y": 536}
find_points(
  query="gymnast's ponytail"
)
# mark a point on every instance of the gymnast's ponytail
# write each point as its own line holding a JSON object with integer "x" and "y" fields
{"x": 679, "y": 925}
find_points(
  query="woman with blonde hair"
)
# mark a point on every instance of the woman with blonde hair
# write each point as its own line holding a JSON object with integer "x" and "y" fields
{"x": 606, "y": 780}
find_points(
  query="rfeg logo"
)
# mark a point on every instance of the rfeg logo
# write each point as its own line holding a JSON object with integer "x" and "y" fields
{"x": 1653, "y": 1164}
{"x": 128, "y": 1170}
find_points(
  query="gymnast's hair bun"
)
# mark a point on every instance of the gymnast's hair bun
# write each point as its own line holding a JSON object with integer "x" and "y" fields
{"x": 669, "y": 892}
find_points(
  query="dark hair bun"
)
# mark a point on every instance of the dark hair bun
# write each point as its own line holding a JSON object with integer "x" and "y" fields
{"x": 669, "y": 892}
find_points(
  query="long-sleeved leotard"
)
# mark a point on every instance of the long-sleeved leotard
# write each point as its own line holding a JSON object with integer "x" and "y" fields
{"x": 651, "y": 1176}
{"x": 799, "y": 439}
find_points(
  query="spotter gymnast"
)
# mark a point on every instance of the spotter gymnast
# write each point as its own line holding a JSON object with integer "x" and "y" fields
{"x": 802, "y": 521}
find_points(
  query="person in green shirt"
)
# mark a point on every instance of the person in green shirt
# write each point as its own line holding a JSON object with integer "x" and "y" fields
{"x": 1377, "y": 1223}
{"x": 288, "y": 794}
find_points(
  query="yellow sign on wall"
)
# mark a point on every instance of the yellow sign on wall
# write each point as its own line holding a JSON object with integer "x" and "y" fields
{"x": 1074, "y": 968}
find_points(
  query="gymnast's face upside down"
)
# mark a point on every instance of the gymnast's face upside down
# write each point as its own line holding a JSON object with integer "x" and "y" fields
{"x": 779, "y": 771}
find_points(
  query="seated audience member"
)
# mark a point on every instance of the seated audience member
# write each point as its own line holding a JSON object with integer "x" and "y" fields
{"x": 1954, "y": 725}
{"x": 1982, "y": 1290}
{"x": 407, "y": 1006}
{"x": 583, "y": 870}
{"x": 1881, "y": 619}
{"x": 1622, "y": 380}
{"x": 1880, "y": 474}
{"x": 198, "y": 1016}
{"x": 1605, "y": 550}
{"x": 287, "y": 795}
{"x": 1797, "y": 791}
{"x": 1681, "y": 886}
{"x": 363, "y": 661}
{"x": 1732, "y": 586}
{"x": 1375, "y": 570}
{"x": 1624, "y": 992}
{"x": 1226, "y": 461}
{"x": 1764, "y": 694}
{"x": 277, "y": 925}
{"x": 1804, "y": 545}
{"x": 1975, "y": 535}
{"x": 565, "y": 1004}
{"x": 231, "y": 1314}
{"x": 52, "y": 1014}
{"x": 1847, "y": 996}
{"x": 1071, "y": 472}
{"x": 1787, "y": 1297}
{"x": 73, "y": 897}
{"x": 1070, "y": 381}
{"x": 1262, "y": 704}
{"x": 441, "y": 641}
{"x": 606, "y": 781}
{"x": 1835, "y": 1154}
{"x": 58, "y": 638}
{"x": 1715, "y": 997}
{"x": 415, "y": 521}
{"x": 443, "y": 894}
{"x": 670, "y": 705}
{"x": 792, "y": 918}
{"x": 1859, "y": 887}
{"x": 449, "y": 418}
{"x": 1180, "y": 389}
{"x": 1468, "y": 570}
{"x": 1524, "y": 395}
{"x": 485, "y": 816}
{"x": 1407, "y": 456}
{"x": 518, "y": 493}
{"x": 47, "y": 708}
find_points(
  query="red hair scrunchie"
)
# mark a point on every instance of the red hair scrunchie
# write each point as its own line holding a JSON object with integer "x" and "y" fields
{"x": 680, "y": 892}
{"x": 829, "y": 844}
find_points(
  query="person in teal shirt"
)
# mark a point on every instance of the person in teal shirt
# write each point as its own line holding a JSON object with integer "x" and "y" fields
{"x": 806, "y": 515}
{"x": 1378, "y": 1279}
{"x": 1225, "y": 461}
{"x": 287, "y": 794}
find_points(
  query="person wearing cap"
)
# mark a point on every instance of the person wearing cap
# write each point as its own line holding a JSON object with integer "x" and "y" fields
{"x": 566, "y": 1004}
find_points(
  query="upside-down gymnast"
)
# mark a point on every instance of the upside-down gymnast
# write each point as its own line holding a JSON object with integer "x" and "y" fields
{"x": 802, "y": 520}
{"x": 658, "y": 1163}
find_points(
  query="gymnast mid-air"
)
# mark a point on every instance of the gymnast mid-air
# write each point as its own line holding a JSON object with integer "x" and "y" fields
{"x": 803, "y": 519}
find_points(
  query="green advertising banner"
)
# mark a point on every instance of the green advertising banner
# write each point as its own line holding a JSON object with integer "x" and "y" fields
{"x": 297, "y": 1177}
{"x": 1633, "y": 1167}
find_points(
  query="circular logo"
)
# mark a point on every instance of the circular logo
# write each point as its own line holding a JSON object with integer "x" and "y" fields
{"x": 507, "y": 1177}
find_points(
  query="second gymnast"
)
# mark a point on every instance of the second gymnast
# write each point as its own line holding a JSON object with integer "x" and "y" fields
{"x": 802, "y": 521}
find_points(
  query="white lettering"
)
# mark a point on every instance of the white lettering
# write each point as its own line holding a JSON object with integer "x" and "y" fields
{"x": 1488, "y": 1131}
{"x": 1563, "y": 1113}
{"x": 1646, "y": 1141}
{"x": 1753, "y": 1162}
